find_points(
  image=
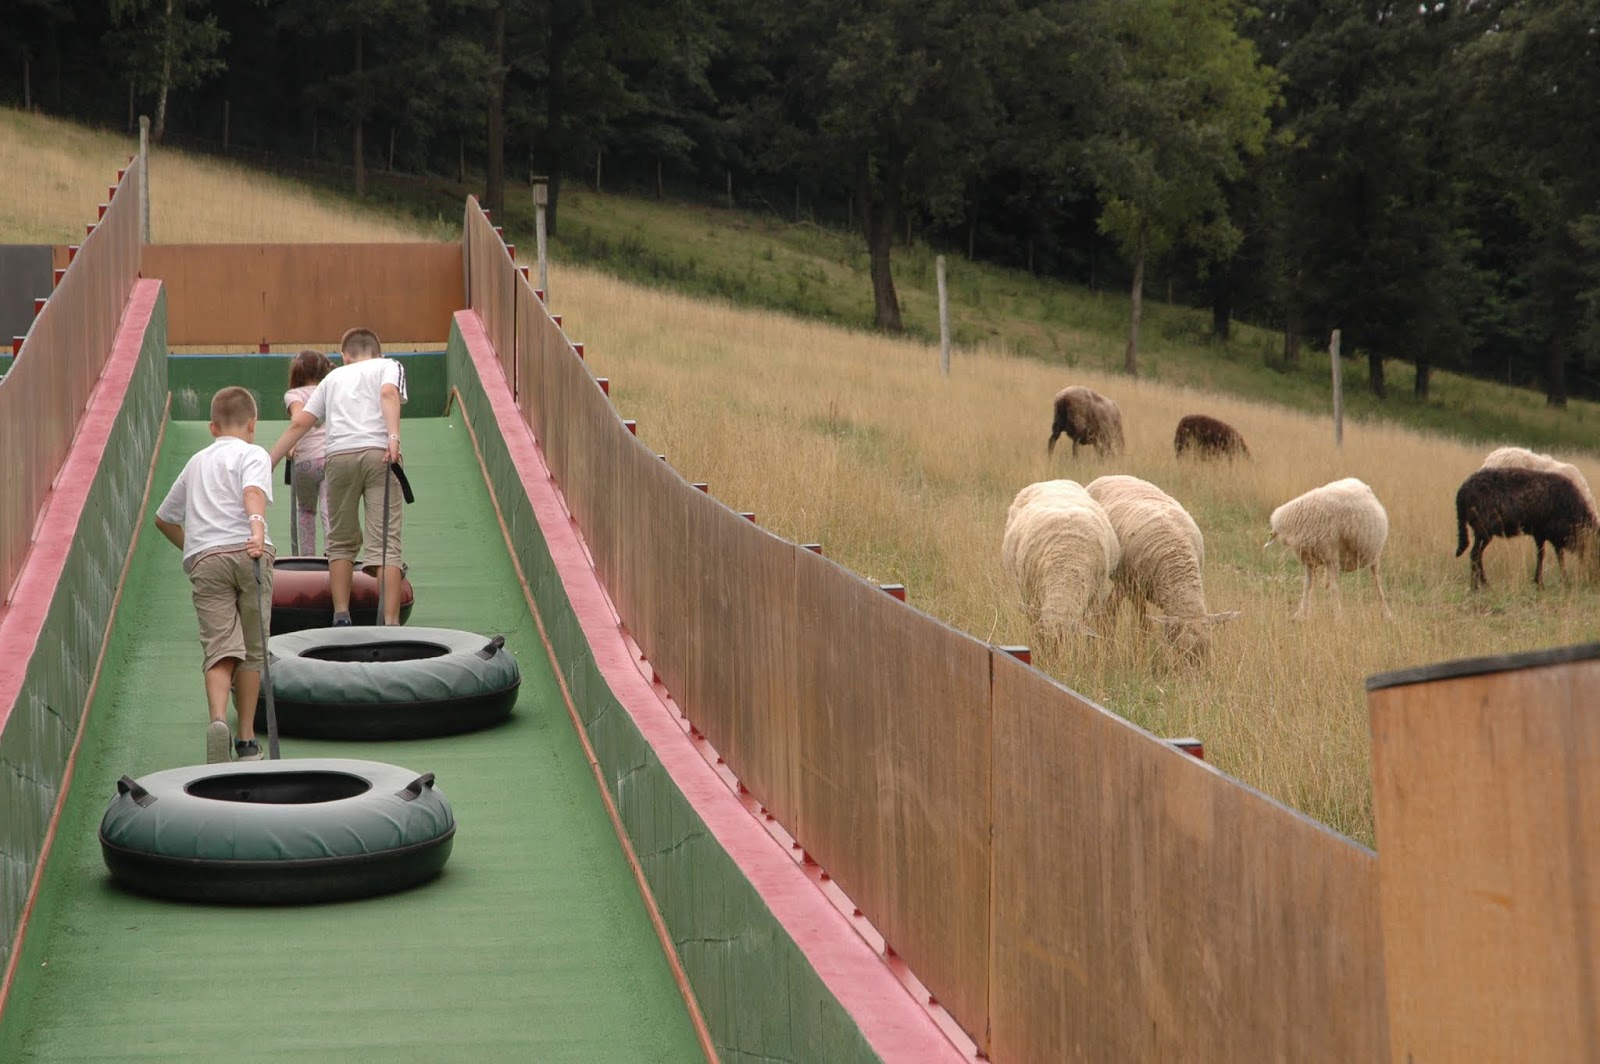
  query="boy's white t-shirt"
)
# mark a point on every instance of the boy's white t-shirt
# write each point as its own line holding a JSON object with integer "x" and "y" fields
{"x": 207, "y": 499}
{"x": 349, "y": 402}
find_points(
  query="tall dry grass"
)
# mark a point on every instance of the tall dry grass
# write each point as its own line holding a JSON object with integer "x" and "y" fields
{"x": 856, "y": 441}
{"x": 193, "y": 199}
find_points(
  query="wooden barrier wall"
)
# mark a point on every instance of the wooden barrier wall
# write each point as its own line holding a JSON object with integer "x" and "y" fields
{"x": 1066, "y": 885}
{"x": 47, "y": 388}
{"x": 226, "y": 294}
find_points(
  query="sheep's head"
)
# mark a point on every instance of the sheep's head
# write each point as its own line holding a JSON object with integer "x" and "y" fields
{"x": 1191, "y": 636}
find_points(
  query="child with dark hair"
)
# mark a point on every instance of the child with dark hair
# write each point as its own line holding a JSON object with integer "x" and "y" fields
{"x": 216, "y": 513}
{"x": 309, "y": 459}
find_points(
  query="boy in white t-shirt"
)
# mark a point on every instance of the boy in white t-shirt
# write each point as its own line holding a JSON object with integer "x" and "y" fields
{"x": 359, "y": 406}
{"x": 216, "y": 513}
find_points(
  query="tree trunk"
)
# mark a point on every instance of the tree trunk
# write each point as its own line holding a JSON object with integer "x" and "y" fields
{"x": 227, "y": 106}
{"x": 160, "y": 127}
{"x": 133, "y": 122}
{"x": 599, "y": 162}
{"x": 877, "y": 219}
{"x": 555, "y": 113}
{"x": 1375, "y": 374}
{"x": 1222, "y": 312}
{"x": 494, "y": 193}
{"x": 27, "y": 89}
{"x": 1555, "y": 377}
{"x": 1130, "y": 361}
{"x": 972, "y": 234}
{"x": 1424, "y": 373}
{"x": 361, "y": 119}
{"x": 1291, "y": 338}
{"x": 461, "y": 159}
{"x": 392, "y": 134}
{"x": 661, "y": 191}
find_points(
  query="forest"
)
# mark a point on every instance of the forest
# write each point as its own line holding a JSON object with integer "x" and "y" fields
{"x": 1417, "y": 175}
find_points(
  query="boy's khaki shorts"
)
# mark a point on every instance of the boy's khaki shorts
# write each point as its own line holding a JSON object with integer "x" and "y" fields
{"x": 355, "y": 481}
{"x": 224, "y": 587}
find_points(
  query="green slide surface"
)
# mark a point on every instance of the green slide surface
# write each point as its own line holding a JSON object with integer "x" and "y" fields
{"x": 534, "y": 945}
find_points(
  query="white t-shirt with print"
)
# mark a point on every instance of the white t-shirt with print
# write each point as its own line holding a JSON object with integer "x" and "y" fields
{"x": 207, "y": 499}
{"x": 349, "y": 403}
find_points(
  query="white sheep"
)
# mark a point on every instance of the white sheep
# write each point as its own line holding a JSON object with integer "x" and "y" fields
{"x": 1522, "y": 458}
{"x": 1342, "y": 526}
{"x": 1059, "y": 550}
{"x": 1163, "y": 553}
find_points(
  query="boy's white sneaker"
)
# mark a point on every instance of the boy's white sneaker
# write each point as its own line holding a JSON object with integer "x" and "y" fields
{"x": 217, "y": 743}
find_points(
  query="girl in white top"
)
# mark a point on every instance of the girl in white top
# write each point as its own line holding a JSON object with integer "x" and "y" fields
{"x": 310, "y": 454}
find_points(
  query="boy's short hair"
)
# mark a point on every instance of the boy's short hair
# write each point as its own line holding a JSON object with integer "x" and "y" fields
{"x": 360, "y": 341}
{"x": 232, "y": 407}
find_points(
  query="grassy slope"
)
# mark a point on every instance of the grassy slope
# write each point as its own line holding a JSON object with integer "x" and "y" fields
{"x": 854, "y": 440}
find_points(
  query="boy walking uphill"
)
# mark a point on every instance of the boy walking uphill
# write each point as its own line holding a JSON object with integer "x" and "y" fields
{"x": 216, "y": 513}
{"x": 359, "y": 405}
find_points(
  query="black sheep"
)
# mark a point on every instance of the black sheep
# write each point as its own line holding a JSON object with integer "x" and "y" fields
{"x": 1512, "y": 502}
{"x": 1208, "y": 437}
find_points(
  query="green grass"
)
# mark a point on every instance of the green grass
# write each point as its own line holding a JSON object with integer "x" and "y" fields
{"x": 813, "y": 272}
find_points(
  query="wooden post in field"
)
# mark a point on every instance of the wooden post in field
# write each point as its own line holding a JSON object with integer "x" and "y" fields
{"x": 541, "y": 199}
{"x": 1338, "y": 390}
{"x": 144, "y": 179}
{"x": 944, "y": 317}
{"x": 1486, "y": 799}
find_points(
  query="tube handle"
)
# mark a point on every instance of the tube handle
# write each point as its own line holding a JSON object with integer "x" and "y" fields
{"x": 413, "y": 790}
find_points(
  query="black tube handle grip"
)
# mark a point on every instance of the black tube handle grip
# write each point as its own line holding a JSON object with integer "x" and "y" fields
{"x": 492, "y": 647}
{"x": 130, "y": 786}
{"x": 413, "y": 790}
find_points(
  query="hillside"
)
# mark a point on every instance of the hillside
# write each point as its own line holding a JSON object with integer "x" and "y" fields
{"x": 855, "y": 440}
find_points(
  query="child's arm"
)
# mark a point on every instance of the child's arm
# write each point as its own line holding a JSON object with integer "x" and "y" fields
{"x": 255, "y": 506}
{"x": 173, "y": 532}
{"x": 294, "y": 408}
{"x": 303, "y": 422}
{"x": 390, "y": 398}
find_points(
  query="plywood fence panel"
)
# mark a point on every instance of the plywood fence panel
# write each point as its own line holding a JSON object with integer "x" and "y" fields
{"x": 562, "y": 366}
{"x": 307, "y": 293}
{"x": 894, "y": 774}
{"x": 530, "y": 354}
{"x": 1486, "y": 795}
{"x": 597, "y": 437}
{"x": 651, "y": 587}
{"x": 1147, "y": 907}
{"x": 48, "y": 386}
{"x": 742, "y": 688}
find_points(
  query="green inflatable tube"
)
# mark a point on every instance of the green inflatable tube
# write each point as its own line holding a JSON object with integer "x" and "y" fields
{"x": 389, "y": 682}
{"x": 277, "y": 832}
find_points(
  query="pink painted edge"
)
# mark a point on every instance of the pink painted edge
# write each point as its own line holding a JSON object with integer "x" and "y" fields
{"x": 22, "y": 619}
{"x": 72, "y": 492}
{"x": 897, "y": 1028}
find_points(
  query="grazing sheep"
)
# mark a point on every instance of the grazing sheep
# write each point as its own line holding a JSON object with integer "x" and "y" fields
{"x": 1059, "y": 550}
{"x": 1342, "y": 526}
{"x": 1162, "y": 555}
{"x": 1087, "y": 418}
{"x": 1209, "y": 438}
{"x": 1522, "y": 458}
{"x": 1512, "y": 502}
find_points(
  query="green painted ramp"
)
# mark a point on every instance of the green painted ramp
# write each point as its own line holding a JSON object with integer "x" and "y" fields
{"x": 533, "y": 946}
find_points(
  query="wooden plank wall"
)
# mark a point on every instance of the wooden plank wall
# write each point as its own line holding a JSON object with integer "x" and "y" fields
{"x": 230, "y": 294}
{"x": 1486, "y": 794}
{"x": 1068, "y": 886}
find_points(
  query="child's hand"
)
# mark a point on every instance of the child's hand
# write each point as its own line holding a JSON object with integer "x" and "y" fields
{"x": 256, "y": 545}
{"x": 394, "y": 448}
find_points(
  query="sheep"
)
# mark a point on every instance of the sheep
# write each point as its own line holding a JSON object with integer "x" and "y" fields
{"x": 1522, "y": 458}
{"x": 1088, "y": 418}
{"x": 1208, "y": 437}
{"x": 1162, "y": 555}
{"x": 1341, "y": 525}
{"x": 1510, "y": 502}
{"x": 1059, "y": 549}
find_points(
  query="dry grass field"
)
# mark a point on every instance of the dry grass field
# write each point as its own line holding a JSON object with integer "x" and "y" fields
{"x": 856, "y": 441}
{"x": 193, "y": 199}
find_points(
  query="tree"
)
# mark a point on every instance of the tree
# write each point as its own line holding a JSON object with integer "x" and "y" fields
{"x": 167, "y": 45}
{"x": 1182, "y": 100}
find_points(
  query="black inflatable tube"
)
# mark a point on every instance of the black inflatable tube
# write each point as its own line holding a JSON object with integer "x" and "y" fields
{"x": 367, "y": 721}
{"x": 279, "y": 882}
